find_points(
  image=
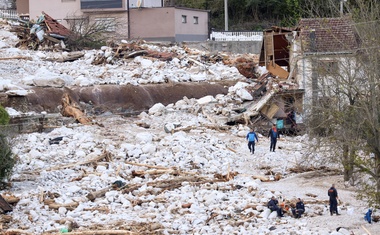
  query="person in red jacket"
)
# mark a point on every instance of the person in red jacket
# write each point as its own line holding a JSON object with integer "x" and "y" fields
{"x": 273, "y": 134}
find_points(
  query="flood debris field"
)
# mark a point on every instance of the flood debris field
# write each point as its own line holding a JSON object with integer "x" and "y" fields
{"x": 175, "y": 168}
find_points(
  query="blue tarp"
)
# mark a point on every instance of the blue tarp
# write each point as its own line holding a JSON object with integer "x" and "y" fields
{"x": 280, "y": 124}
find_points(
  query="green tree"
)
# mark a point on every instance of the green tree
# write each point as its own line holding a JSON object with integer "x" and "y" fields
{"x": 4, "y": 116}
{"x": 8, "y": 160}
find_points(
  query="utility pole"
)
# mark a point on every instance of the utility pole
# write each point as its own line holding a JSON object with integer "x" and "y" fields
{"x": 226, "y": 15}
{"x": 129, "y": 20}
{"x": 341, "y": 6}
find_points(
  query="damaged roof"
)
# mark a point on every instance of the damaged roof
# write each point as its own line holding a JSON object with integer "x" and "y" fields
{"x": 328, "y": 35}
{"x": 55, "y": 27}
{"x": 279, "y": 45}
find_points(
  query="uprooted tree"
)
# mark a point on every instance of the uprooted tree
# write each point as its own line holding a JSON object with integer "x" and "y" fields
{"x": 345, "y": 111}
{"x": 91, "y": 32}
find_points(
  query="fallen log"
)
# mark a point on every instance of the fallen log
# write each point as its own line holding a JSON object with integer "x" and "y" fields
{"x": 145, "y": 165}
{"x": 105, "y": 155}
{"x": 366, "y": 230}
{"x": 11, "y": 199}
{"x": 100, "y": 193}
{"x": 16, "y": 232}
{"x": 17, "y": 58}
{"x": 102, "y": 209}
{"x": 135, "y": 54}
{"x": 71, "y": 109}
{"x": 262, "y": 178}
{"x": 72, "y": 56}
{"x": 174, "y": 172}
{"x": 101, "y": 232}
{"x": 53, "y": 205}
{"x": 202, "y": 65}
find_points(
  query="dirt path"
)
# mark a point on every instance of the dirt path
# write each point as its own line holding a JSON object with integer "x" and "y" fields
{"x": 315, "y": 183}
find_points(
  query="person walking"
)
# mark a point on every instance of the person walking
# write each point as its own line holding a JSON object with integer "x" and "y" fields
{"x": 333, "y": 194}
{"x": 299, "y": 209}
{"x": 251, "y": 137}
{"x": 273, "y": 135}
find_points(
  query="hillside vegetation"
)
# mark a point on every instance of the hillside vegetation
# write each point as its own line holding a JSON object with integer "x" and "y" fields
{"x": 261, "y": 14}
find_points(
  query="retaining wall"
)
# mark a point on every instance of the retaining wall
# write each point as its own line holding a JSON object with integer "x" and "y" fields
{"x": 237, "y": 47}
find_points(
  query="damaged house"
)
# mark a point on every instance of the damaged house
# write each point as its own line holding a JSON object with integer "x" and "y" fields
{"x": 320, "y": 49}
{"x": 153, "y": 20}
{"x": 301, "y": 61}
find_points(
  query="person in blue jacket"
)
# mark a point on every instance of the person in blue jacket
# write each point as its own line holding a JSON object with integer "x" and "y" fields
{"x": 251, "y": 137}
{"x": 368, "y": 216}
{"x": 273, "y": 134}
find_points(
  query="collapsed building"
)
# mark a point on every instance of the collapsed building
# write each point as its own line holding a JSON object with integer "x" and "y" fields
{"x": 278, "y": 95}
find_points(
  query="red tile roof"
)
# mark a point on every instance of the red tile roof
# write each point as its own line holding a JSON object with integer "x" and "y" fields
{"x": 328, "y": 34}
{"x": 54, "y": 27}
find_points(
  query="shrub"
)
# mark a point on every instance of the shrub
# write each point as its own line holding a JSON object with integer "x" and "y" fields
{"x": 7, "y": 158}
{"x": 4, "y": 116}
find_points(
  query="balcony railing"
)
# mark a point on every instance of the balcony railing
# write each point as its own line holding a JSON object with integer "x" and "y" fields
{"x": 236, "y": 36}
{"x": 9, "y": 14}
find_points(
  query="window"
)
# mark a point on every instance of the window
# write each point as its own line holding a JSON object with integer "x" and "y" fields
{"x": 184, "y": 19}
{"x": 195, "y": 19}
{"x": 100, "y": 4}
{"x": 108, "y": 24}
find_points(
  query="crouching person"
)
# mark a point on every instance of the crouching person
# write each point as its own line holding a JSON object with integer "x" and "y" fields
{"x": 273, "y": 206}
{"x": 299, "y": 209}
{"x": 368, "y": 216}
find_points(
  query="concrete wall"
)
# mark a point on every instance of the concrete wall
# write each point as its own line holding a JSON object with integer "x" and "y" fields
{"x": 22, "y": 6}
{"x": 55, "y": 8}
{"x": 120, "y": 19}
{"x": 189, "y": 30}
{"x": 244, "y": 47}
{"x": 152, "y": 23}
{"x": 165, "y": 24}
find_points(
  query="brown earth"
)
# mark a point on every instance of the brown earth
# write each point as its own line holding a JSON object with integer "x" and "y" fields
{"x": 120, "y": 99}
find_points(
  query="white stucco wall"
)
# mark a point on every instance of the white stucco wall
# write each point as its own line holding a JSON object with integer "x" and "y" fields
{"x": 55, "y": 8}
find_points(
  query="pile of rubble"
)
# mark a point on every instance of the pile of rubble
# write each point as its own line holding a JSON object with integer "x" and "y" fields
{"x": 45, "y": 34}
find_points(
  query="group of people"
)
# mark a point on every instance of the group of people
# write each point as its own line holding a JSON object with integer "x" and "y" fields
{"x": 299, "y": 208}
{"x": 253, "y": 138}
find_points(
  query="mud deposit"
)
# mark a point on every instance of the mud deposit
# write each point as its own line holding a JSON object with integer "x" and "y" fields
{"x": 127, "y": 99}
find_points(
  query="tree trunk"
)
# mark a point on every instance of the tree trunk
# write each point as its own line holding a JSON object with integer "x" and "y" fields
{"x": 377, "y": 173}
{"x": 346, "y": 166}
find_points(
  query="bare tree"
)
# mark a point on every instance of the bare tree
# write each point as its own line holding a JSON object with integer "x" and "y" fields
{"x": 91, "y": 32}
{"x": 346, "y": 100}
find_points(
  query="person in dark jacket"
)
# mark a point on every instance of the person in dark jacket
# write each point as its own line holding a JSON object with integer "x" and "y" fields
{"x": 333, "y": 194}
{"x": 273, "y": 206}
{"x": 251, "y": 137}
{"x": 273, "y": 134}
{"x": 299, "y": 209}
